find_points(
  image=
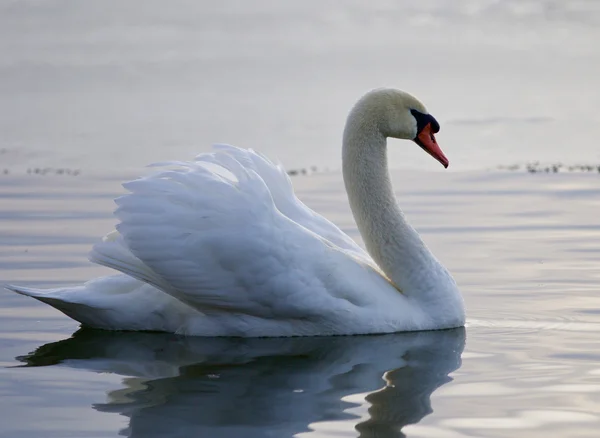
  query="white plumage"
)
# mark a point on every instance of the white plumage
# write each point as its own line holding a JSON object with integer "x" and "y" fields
{"x": 221, "y": 246}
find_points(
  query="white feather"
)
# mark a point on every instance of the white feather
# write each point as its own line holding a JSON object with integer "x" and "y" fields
{"x": 221, "y": 246}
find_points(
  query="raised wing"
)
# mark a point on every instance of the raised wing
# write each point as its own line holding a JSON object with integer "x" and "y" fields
{"x": 282, "y": 192}
{"x": 209, "y": 233}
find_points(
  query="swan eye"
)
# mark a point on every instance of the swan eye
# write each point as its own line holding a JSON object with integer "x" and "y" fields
{"x": 425, "y": 119}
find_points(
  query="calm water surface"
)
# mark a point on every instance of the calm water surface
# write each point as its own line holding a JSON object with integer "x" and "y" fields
{"x": 101, "y": 88}
{"x": 524, "y": 249}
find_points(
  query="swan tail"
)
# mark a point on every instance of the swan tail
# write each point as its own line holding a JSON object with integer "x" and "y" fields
{"x": 38, "y": 294}
{"x": 67, "y": 300}
{"x": 116, "y": 302}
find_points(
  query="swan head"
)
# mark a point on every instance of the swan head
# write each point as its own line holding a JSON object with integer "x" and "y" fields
{"x": 400, "y": 115}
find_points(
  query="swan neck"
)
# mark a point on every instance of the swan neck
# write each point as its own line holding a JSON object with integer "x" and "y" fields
{"x": 394, "y": 245}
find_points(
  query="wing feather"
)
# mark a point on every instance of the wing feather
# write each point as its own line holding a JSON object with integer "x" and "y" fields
{"x": 210, "y": 234}
{"x": 281, "y": 189}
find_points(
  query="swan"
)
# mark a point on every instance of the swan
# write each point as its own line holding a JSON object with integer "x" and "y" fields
{"x": 221, "y": 246}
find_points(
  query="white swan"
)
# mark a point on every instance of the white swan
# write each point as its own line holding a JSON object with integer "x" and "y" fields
{"x": 221, "y": 246}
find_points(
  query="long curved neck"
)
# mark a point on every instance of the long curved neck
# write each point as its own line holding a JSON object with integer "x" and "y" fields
{"x": 392, "y": 242}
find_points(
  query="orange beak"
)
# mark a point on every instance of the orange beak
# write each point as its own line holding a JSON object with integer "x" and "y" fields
{"x": 426, "y": 140}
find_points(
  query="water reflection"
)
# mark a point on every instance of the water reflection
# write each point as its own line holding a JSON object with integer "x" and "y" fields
{"x": 225, "y": 387}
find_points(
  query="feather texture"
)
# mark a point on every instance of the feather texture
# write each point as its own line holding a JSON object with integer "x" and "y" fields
{"x": 221, "y": 246}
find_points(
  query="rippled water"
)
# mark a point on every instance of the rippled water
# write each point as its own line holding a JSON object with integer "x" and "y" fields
{"x": 524, "y": 249}
{"x": 91, "y": 90}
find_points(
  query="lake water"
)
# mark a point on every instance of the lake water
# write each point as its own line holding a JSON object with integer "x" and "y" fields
{"x": 101, "y": 89}
{"x": 82, "y": 84}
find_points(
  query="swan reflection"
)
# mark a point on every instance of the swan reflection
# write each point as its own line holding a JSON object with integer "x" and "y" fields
{"x": 278, "y": 387}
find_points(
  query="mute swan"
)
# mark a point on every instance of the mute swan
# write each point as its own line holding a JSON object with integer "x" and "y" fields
{"x": 221, "y": 246}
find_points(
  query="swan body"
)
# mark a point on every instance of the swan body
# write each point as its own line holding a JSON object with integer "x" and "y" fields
{"x": 221, "y": 246}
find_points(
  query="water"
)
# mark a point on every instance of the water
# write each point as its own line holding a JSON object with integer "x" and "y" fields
{"x": 103, "y": 88}
{"x": 524, "y": 249}
{"x": 80, "y": 85}
{"x": 262, "y": 387}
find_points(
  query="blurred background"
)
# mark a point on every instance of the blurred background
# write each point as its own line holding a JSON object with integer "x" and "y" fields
{"x": 103, "y": 86}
